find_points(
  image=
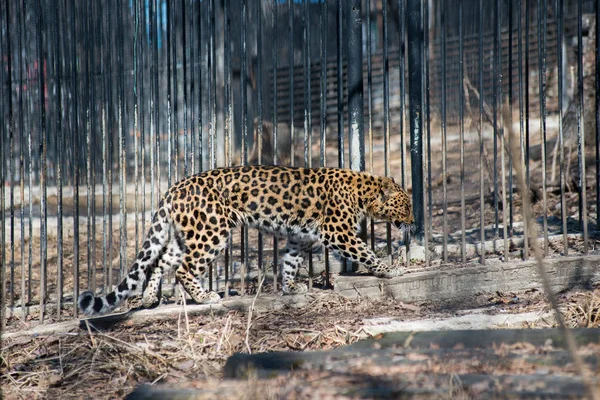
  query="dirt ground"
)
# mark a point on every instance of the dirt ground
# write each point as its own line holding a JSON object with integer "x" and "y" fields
{"x": 189, "y": 352}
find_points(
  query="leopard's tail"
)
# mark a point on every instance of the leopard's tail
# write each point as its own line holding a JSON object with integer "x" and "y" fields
{"x": 153, "y": 246}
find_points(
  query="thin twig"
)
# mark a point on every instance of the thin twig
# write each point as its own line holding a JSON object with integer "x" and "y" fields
{"x": 533, "y": 234}
{"x": 90, "y": 333}
{"x": 250, "y": 311}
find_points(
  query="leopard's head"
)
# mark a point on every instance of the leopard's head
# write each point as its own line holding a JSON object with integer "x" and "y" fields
{"x": 395, "y": 207}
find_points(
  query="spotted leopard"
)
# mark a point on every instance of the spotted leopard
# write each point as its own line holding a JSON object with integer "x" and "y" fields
{"x": 194, "y": 218}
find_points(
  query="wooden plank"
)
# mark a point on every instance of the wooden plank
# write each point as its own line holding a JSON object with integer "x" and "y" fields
{"x": 454, "y": 285}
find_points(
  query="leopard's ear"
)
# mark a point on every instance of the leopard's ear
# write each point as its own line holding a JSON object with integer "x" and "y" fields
{"x": 388, "y": 187}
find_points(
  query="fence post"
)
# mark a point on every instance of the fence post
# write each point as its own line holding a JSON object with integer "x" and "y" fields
{"x": 415, "y": 95}
{"x": 355, "y": 86}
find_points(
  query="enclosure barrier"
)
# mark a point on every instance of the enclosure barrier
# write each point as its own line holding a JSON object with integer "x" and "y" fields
{"x": 105, "y": 106}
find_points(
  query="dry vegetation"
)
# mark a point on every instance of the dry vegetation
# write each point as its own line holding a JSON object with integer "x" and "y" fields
{"x": 186, "y": 351}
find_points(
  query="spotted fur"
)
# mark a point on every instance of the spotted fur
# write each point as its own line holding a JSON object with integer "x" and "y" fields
{"x": 193, "y": 221}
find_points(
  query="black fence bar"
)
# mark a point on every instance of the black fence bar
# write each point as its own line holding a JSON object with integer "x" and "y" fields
{"x": 43, "y": 142}
{"x": 415, "y": 87}
{"x": 386, "y": 113}
{"x": 561, "y": 144}
{"x": 581, "y": 130}
{"x": 443, "y": 130}
{"x": 4, "y": 98}
{"x": 355, "y": 86}
{"x": 481, "y": 140}
{"x": 597, "y": 50}
{"x": 461, "y": 112}
{"x": 340, "y": 85}
{"x": 541, "y": 27}
{"x": 275, "y": 128}
{"x": 522, "y": 119}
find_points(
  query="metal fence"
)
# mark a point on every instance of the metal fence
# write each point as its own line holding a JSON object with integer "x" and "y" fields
{"x": 104, "y": 105}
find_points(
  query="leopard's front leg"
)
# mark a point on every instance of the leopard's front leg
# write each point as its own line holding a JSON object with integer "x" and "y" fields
{"x": 350, "y": 246}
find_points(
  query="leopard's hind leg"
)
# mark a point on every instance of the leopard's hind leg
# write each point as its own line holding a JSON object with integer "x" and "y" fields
{"x": 170, "y": 259}
{"x": 296, "y": 251}
{"x": 197, "y": 258}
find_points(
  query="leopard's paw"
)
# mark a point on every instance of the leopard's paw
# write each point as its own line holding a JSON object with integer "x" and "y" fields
{"x": 294, "y": 288}
{"x": 150, "y": 300}
{"x": 211, "y": 298}
{"x": 389, "y": 272}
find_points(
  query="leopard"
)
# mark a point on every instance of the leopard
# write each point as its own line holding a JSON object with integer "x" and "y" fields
{"x": 194, "y": 218}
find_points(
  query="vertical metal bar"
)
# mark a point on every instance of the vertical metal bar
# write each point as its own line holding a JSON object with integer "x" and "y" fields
{"x": 11, "y": 147}
{"x": 136, "y": 117}
{"x": 86, "y": 15}
{"x": 429, "y": 222}
{"x": 527, "y": 177}
{"x": 291, "y": 50}
{"x": 274, "y": 58}
{"x": 425, "y": 143}
{"x": 142, "y": 55}
{"x": 107, "y": 274}
{"x": 307, "y": 88}
{"x": 174, "y": 153}
{"x": 369, "y": 107}
{"x": 58, "y": 60}
{"x": 21, "y": 84}
{"x": 323, "y": 121}
{"x": 510, "y": 104}
{"x": 110, "y": 147}
{"x": 356, "y": 138}
{"x": 244, "y": 245}
{"x": 461, "y": 117}
{"x": 185, "y": 85}
{"x": 541, "y": 26}
{"x": 194, "y": 44}
{"x": 122, "y": 148}
{"x": 561, "y": 143}
{"x": 28, "y": 65}
{"x": 501, "y": 131}
{"x": 154, "y": 112}
{"x": 481, "y": 142}
{"x": 444, "y": 133}
{"x": 227, "y": 85}
{"x": 340, "y": 82}
{"x": 171, "y": 90}
{"x": 213, "y": 80}
{"x": 4, "y": 180}
{"x": 355, "y": 87}
{"x": 259, "y": 116}
{"x": 30, "y": 159}
{"x": 415, "y": 87}
{"x": 75, "y": 131}
{"x": 522, "y": 87}
{"x": 580, "y": 129}
{"x": 402, "y": 71}
{"x": 495, "y": 90}
{"x": 228, "y": 116}
{"x": 308, "y": 136}
{"x": 597, "y": 50}
{"x": 386, "y": 114}
{"x": 200, "y": 86}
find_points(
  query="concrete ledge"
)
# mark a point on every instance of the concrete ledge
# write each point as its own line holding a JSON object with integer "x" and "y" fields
{"x": 456, "y": 284}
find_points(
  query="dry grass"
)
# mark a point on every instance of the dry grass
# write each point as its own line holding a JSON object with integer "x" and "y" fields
{"x": 111, "y": 364}
{"x": 191, "y": 352}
